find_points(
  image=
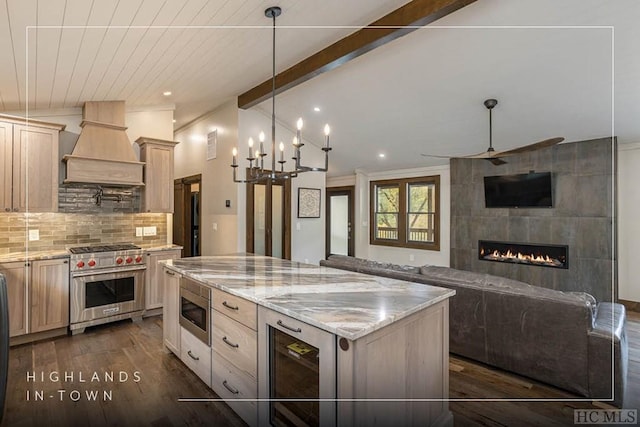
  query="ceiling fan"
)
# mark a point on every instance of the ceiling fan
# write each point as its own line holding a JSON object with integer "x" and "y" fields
{"x": 494, "y": 156}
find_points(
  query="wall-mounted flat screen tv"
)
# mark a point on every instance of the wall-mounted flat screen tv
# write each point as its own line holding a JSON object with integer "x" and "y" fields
{"x": 527, "y": 190}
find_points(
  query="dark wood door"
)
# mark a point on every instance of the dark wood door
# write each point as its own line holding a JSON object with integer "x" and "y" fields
{"x": 340, "y": 238}
{"x": 186, "y": 216}
{"x": 269, "y": 218}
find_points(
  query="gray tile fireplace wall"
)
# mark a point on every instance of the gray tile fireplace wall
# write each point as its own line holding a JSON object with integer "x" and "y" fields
{"x": 582, "y": 216}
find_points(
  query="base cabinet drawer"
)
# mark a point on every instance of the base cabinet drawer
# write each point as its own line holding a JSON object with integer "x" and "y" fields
{"x": 231, "y": 384}
{"x": 236, "y": 342}
{"x": 237, "y": 308}
{"x": 196, "y": 355}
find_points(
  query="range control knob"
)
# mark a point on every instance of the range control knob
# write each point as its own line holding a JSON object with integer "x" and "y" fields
{"x": 92, "y": 263}
{"x": 129, "y": 260}
{"x": 138, "y": 258}
{"x": 80, "y": 264}
{"x": 119, "y": 260}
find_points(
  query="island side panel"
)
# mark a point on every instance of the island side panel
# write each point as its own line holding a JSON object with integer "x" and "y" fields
{"x": 406, "y": 360}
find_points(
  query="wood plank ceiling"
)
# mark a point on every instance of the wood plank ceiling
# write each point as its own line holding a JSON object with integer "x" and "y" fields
{"x": 65, "y": 52}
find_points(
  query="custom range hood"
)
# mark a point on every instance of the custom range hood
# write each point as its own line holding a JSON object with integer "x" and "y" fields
{"x": 103, "y": 154}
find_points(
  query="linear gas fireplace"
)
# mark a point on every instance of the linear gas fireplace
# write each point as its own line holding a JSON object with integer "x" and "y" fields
{"x": 554, "y": 256}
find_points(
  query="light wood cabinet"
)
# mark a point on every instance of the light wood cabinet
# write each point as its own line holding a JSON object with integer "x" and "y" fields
{"x": 196, "y": 355}
{"x": 171, "y": 311}
{"x": 235, "y": 342}
{"x": 157, "y": 193}
{"x": 29, "y": 157}
{"x": 6, "y": 162}
{"x": 232, "y": 386}
{"x": 238, "y": 309}
{"x": 49, "y": 295}
{"x": 38, "y": 295}
{"x": 234, "y": 352}
{"x": 153, "y": 289}
{"x": 16, "y": 275}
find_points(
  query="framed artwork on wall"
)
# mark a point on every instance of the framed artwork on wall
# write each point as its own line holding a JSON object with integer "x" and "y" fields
{"x": 308, "y": 202}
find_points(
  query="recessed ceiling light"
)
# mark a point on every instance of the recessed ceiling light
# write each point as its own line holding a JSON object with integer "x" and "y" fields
{"x": 174, "y": 120}
{"x": 316, "y": 109}
{"x": 381, "y": 155}
{"x": 166, "y": 93}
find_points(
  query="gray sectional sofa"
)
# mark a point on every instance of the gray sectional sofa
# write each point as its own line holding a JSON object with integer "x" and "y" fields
{"x": 566, "y": 339}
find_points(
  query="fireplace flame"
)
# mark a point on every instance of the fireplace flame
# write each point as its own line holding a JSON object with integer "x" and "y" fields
{"x": 521, "y": 258}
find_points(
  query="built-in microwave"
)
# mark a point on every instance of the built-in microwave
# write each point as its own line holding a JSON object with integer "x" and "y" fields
{"x": 195, "y": 301}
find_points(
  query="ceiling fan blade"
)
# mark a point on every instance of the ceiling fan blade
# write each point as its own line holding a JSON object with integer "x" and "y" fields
{"x": 484, "y": 155}
{"x": 492, "y": 156}
{"x": 437, "y": 156}
{"x": 532, "y": 147}
{"x": 496, "y": 161}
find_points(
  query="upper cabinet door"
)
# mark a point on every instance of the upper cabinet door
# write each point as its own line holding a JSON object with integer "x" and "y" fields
{"x": 35, "y": 169}
{"x": 159, "y": 179}
{"x": 157, "y": 193}
{"x": 6, "y": 150}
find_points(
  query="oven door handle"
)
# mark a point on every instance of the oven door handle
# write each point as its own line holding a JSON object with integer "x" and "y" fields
{"x": 108, "y": 271}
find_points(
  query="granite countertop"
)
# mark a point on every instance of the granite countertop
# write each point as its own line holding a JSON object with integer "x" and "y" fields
{"x": 348, "y": 304}
{"x": 64, "y": 253}
{"x": 156, "y": 248}
{"x": 34, "y": 255}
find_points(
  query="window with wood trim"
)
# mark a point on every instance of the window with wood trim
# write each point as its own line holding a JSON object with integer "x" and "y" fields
{"x": 406, "y": 212}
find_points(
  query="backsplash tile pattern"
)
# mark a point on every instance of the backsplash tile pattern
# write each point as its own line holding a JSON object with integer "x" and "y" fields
{"x": 81, "y": 199}
{"x": 64, "y": 230}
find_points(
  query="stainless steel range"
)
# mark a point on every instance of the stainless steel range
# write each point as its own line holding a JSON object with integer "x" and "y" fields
{"x": 107, "y": 284}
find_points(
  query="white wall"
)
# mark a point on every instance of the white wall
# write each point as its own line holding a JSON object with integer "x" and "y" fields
{"x": 307, "y": 234}
{"x": 153, "y": 121}
{"x": 402, "y": 255}
{"x": 219, "y": 223}
{"x": 628, "y": 222}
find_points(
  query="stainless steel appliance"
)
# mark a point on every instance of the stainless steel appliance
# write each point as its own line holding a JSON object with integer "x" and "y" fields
{"x": 107, "y": 284}
{"x": 195, "y": 302}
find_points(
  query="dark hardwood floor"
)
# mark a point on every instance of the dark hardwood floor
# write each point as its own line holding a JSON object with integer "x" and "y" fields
{"x": 128, "y": 350}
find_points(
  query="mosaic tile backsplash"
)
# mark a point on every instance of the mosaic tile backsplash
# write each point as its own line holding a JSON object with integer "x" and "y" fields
{"x": 65, "y": 230}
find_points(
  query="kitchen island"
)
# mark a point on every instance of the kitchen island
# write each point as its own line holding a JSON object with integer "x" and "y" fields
{"x": 304, "y": 344}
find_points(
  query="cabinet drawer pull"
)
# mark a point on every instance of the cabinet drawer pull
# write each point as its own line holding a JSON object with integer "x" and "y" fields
{"x": 7, "y": 209}
{"x": 228, "y": 387}
{"x": 192, "y": 356}
{"x": 279, "y": 322}
{"x": 230, "y": 306}
{"x": 170, "y": 273}
{"x": 15, "y": 209}
{"x": 229, "y": 343}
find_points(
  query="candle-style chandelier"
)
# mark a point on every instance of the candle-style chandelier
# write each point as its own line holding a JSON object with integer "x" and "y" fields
{"x": 256, "y": 171}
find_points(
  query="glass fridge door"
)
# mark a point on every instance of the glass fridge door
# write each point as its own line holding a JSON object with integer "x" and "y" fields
{"x": 297, "y": 372}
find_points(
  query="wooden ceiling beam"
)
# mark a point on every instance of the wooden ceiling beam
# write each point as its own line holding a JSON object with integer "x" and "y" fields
{"x": 394, "y": 25}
